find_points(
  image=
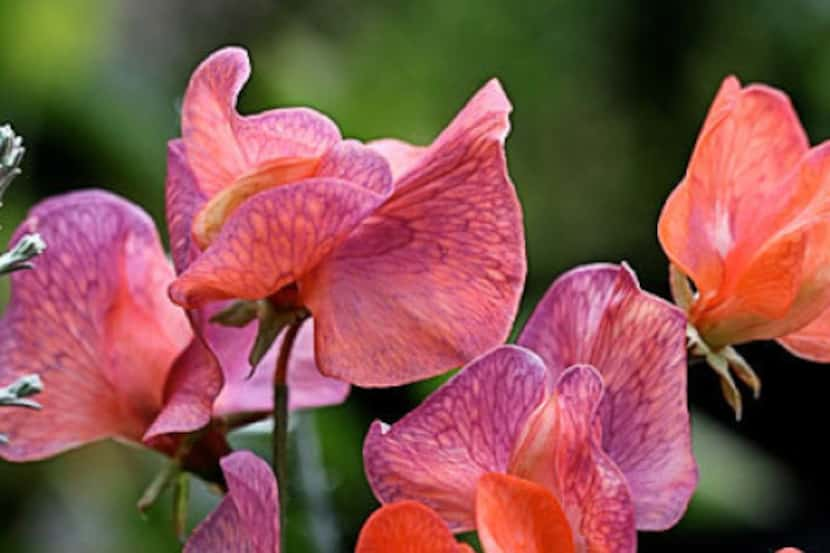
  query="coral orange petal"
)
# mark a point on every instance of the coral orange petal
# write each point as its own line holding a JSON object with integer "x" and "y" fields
{"x": 221, "y": 145}
{"x": 467, "y": 428}
{"x": 93, "y": 321}
{"x": 247, "y": 518}
{"x": 406, "y": 527}
{"x": 560, "y": 449}
{"x": 434, "y": 277}
{"x": 597, "y": 314}
{"x": 513, "y": 515}
{"x": 273, "y": 239}
{"x": 716, "y": 218}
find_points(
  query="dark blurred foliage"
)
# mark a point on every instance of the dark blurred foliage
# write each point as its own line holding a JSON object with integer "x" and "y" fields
{"x": 608, "y": 96}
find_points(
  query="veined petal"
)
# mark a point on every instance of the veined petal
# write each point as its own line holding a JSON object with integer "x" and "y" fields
{"x": 247, "y": 518}
{"x": 400, "y": 155}
{"x": 514, "y": 514}
{"x": 308, "y": 388}
{"x": 192, "y": 386}
{"x": 719, "y": 214}
{"x": 221, "y": 145}
{"x": 598, "y": 315}
{"x": 467, "y": 428}
{"x": 273, "y": 239}
{"x": 183, "y": 200}
{"x": 434, "y": 277}
{"x": 560, "y": 449}
{"x": 93, "y": 321}
{"x": 407, "y": 527}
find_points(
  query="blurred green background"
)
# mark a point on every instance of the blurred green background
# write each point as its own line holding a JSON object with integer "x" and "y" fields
{"x": 608, "y": 97}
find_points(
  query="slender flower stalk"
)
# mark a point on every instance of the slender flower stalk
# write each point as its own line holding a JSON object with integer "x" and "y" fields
{"x": 280, "y": 432}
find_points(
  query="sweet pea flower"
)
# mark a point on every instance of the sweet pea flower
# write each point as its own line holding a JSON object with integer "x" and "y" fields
{"x": 597, "y": 415}
{"x": 749, "y": 224}
{"x": 247, "y": 519}
{"x": 115, "y": 355}
{"x": 512, "y": 515}
{"x": 410, "y": 259}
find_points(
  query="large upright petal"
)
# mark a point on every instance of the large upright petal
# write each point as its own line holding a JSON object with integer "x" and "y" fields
{"x": 183, "y": 200}
{"x": 467, "y": 428}
{"x": 513, "y": 514}
{"x": 560, "y": 449}
{"x": 221, "y": 145}
{"x": 717, "y": 216}
{"x": 247, "y": 519}
{"x": 94, "y": 322}
{"x": 255, "y": 394}
{"x": 597, "y": 314}
{"x": 433, "y": 278}
{"x": 407, "y": 527}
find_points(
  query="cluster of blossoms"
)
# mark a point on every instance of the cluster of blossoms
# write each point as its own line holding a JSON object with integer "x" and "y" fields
{"x": 303, "y": 263}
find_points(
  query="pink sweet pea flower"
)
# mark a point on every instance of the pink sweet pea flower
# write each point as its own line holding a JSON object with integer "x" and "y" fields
{"x": 411, "y": 260}
{"x": 247, "y": 519}
{"x": 115, "y": 355}
{"x": 600, "y": 418}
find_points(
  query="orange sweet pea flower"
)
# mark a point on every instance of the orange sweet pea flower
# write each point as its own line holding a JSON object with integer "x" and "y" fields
{"x": 749, "y": 224}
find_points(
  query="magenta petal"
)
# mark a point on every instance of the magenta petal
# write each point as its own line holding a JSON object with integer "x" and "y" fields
{"x": 560, "y": 448}
{"x": 307, "y": 387}
{"x": 221, "y": 145}
{"x": 194, "y": 383}
{"x": 598, "y": 315}
{"x": 273, "y": 239}
{"x": 400, "y": 155}
{"x": 352, "y": 161}
{"x": 183, "y": 200}
{"x": 247, "y": 518}
{"x": 434, "y": 277}
{"x": 92, "y": 319}
{"x": 436, "y": 453}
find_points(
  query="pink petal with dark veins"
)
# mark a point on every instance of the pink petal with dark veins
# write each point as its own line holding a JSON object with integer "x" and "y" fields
{"x": 434, "y": 277}
{"x": 221, "y": 145}
{"x": 467, "y": 428}
{"x": 273, "y": 239}
{"x": 560, "y": 447}
{"x": 247, "y": 518}
{"x": 400, "y": 155}
{"x": 597, "y": 314}
{"x": 307, "y": 387}
{"x": 194, "y": 383}
{"x": 183, "y": 200}
{"x": 93, "y": 321}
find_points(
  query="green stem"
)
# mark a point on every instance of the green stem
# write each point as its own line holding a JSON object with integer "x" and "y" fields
{"x": 280, "y": 436}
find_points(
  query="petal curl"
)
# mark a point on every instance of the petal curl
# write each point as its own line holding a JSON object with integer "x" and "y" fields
{"x": 598, "y": 315}
{"x": 719, "y": 214}
{"x": 407, "y": 527}
{"x": 434, "y": 277}
{"x": 560, "y": 448}
{"x": 513, "y": 515}
{"x": 467, "y": 428}
{"x": 308, "y": 388}
{"x": 221, "y": 145}
{"x": 247, "y": 518}
{"x": 273, "y": 239}
{"x": 93, "y": 321}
